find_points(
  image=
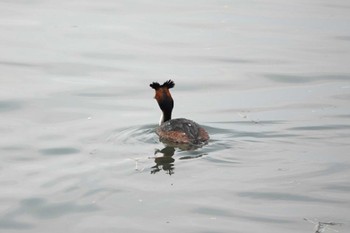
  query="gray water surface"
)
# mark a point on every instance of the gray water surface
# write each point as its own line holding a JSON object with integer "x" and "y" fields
{"x": 269, "y": 80}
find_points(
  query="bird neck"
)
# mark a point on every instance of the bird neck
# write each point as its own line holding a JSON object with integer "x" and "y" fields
{"x": 166, "y": 116}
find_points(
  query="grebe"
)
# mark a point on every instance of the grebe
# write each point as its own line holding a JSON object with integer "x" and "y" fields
{"x": 178, "y": 131}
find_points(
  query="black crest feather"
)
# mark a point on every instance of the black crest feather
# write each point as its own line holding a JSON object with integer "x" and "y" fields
{"x": 155, "y": 85}
{"x": 168, "y": 84}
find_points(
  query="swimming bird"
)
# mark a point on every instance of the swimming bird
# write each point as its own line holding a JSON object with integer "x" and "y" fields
{"x": 180, "y": 130}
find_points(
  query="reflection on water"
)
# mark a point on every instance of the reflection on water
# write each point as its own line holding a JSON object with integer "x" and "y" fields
{"x": 165, "y": 162}
{"x": 164, "y": 158}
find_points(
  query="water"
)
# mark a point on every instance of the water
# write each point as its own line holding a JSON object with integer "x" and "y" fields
{"x": 269, "y": 80}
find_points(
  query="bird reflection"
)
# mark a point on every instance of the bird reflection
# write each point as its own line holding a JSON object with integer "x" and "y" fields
{"x": 164, "y": 158}
{"x": 165, "y": 162}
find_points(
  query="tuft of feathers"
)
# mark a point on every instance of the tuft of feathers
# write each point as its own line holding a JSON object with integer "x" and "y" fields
{"x": 168, "y": 84}
{"x": 155, "y": 85}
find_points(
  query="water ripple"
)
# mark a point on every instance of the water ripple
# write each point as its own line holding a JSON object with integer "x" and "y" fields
{"x": 285, "y": 78}
{"x": 59, "y": 151}
{"x": 9, "y": 105}
{"x": 278, "y": 196}
{"x": 220, "y": 212}
{"x": 134, "y": 135}
{"x": 322, "y": 127}
{"x": 42, "y": 209}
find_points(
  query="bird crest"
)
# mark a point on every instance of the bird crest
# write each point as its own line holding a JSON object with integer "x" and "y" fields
{"x": 168, "y": 84}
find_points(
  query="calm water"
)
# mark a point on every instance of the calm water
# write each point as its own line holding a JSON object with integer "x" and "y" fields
{"x": 270, "y": 80}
